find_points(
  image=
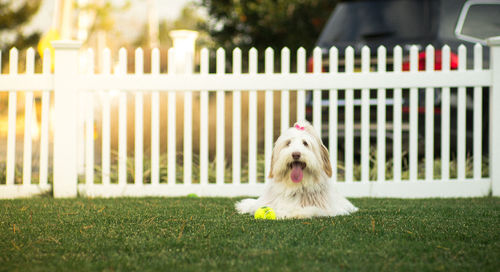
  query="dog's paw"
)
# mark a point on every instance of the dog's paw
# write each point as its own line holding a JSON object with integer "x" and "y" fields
{"x": 297, "y": 216}
{"x": 353, "y": 209}
{"x": 246, "y": 206}
{"x": 349, "y": 209}
{"x": 305, "y": 213}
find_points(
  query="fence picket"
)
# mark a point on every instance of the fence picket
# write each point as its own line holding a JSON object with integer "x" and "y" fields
{"x": 413, "y": 153}
{"x": 220, "y": 112}
{"x": 301, "y": 94}
{"x": 80, "y": 118}
{"x": 317, "y": 69}
{"x": 44, "y": 126}
{"x": 478, "y": 114}
{"x": 381, "y": 120}
{"x": 155, "y": 121}
{"x": 204, "y": 61}
{"x": 268, "y": 121}
{"x": 188, "y": 125}
{"x": 285, "y": 94}
{"x": 139, "y": 126}
{"x": 365, "y": 118}
{"x": 333, "y": 114}
{"x": 429, "y": 117}
{"x": 12, "y": 114}
{"x": 28, "y": 118}
{"x": 122, "y": 122}
{"x": 445, "y": 118}
{"x": 397, "y": 116}
{"x": 349, "y": 118}
{"x": 461, "y": 116}
{"x": 106, "y": 134}
{"x": 89, "y": 125}
{"x": 171, "y": 123}
{"x": 236, "y": 120}
{"x": 252, "y": 122}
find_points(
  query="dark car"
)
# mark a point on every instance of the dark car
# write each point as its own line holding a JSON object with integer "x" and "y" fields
{"x": 408, "y": 23}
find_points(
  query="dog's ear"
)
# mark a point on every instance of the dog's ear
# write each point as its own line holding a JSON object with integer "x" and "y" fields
{"x": 325, "y": 158}
{"x": 272, "y": 164}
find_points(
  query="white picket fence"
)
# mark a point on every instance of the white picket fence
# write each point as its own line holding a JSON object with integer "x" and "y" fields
{"x": 75, "y": 91}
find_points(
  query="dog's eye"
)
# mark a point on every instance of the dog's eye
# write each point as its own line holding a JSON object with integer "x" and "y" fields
{"x": 288, "y": 142}
{"x": 305, "y": 143}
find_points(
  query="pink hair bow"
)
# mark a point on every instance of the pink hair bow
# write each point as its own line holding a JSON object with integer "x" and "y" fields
{"x": 299, "y": 127}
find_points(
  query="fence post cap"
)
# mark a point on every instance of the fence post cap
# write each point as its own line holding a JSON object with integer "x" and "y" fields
{"x": 493, "y": 41}
{"x": 66, "y": 44}
{"x": 183, "y": 34}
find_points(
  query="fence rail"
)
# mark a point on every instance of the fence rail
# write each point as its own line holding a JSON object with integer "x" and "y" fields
{"x": 77, "y": 91}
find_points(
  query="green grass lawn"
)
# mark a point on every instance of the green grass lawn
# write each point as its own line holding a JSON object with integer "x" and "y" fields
{"x": 171, "y": 234}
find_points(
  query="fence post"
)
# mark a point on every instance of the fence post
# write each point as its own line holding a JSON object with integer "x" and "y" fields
{"x": 65, "y": 118}
{"x": 494, "y": 151}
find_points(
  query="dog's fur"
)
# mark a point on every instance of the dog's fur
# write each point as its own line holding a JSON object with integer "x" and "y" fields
{"x": 314, "y": 195}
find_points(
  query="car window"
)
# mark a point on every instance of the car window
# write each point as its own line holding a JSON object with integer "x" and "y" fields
{"x": 449, "y": 12}
{"x": 368, "y": 20}
{"x": 480, "y": 22}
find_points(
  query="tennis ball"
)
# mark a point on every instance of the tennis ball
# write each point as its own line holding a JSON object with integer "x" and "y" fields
{"x": 192, "y": 195}
{"x": 265, "y": 213}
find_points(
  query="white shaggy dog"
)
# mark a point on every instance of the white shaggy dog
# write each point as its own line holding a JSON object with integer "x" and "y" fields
{"x": 300, "y": 188}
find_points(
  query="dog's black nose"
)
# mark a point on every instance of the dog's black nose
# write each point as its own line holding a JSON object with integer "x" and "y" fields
{"x": 296, "y": 155}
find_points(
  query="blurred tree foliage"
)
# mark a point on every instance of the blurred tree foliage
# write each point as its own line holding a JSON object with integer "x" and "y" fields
{"x": 14, "y": 15}
{"x": 264, "y": 23}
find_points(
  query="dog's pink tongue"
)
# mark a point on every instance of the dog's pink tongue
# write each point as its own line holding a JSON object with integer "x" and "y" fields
{"x": 296, "y": 174}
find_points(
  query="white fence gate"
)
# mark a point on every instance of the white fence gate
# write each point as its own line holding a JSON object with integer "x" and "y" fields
{"x": 72, "y": 88}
